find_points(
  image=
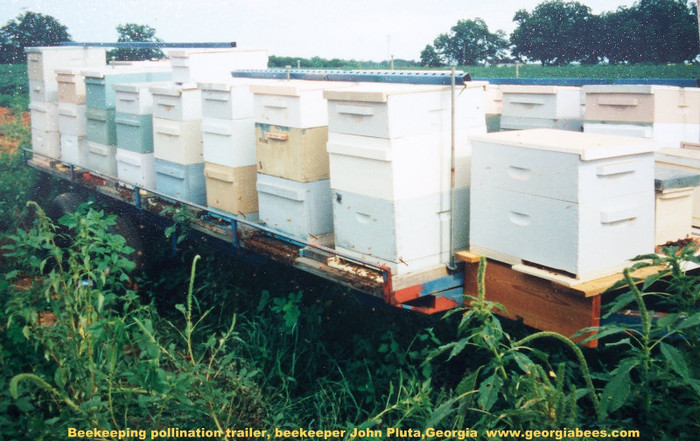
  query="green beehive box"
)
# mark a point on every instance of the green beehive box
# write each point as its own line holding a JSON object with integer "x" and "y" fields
{"x": 135, "y": 132}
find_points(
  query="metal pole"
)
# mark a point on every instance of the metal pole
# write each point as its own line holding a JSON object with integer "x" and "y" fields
{"x": 289, "y": 72}
{"x": 451, "y": 265}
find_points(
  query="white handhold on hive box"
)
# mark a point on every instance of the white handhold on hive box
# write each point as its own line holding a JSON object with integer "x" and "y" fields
{"x": 177, "y": 102}
{"x": 556, "y": 107}
{"x": 389, "y": 110}
{"x": 407, "y": 235}
{"x": 670, "y": 115}
{"x": 579, "y": 204}
{"x": 229, "y": 142}
{"x": 400, "y": 168}
{"x": 214, "y": 65}
{"x": 688, "y": 159}
{"x": 231, "y": 99}
{"x": 301, "y": 209}
{"x": 231, "y": 189}
{"x": 674, "y": 202}
{"x": 135, "y": 168}
{"x": 72, "y": 119}
{"x": 292, "y": 153}
{"x": 42, "y": 62}
{"x": 179, "y": 142}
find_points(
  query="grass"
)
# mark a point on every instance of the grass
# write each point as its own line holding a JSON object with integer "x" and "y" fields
{"x": 586, "y": 71}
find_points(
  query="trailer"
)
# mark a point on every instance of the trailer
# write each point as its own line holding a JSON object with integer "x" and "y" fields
{"x": 539, "y": 297}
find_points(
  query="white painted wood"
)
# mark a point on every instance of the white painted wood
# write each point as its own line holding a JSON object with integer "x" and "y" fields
{"x": 232, "y": 99}
{"x": 177, "y": 102}
{"x": 673, "y": 215}
{"x": 559, "y": 175}
{"x": 46, "y": 143}
{"x": 686, "y": 159}
{"x": 135, "y": 98}
{"x": 214, "y": 65}
{"x": 389, "y": 110}
{"x": 589, "y": 238}
{"x": 301, "y": 209}
{"x": 72, "y": 119}
{"x": 42, "y": 62}
{"x": 229, "y": 142}
{"x": 542, "y": 102}
{"x": 44, "y": 115}
{"x": 667, "y": 134}
{"x": 43, "y": 90}
{"x": 407, "y": 235}
{"x": 102, "y": 158}
{"x": 523, "y": 123}
{"x": 136, "y": 168}
{"x": 74, "y": 150}
{"x": 401, "y": 168}
{"x": 179, "y": 142}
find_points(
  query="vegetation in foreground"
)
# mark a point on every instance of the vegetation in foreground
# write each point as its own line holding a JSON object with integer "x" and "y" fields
{"x": 209, "y": 342}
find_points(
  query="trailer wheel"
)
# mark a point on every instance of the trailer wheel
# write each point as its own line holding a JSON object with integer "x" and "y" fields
{"x": 67, "y": 203}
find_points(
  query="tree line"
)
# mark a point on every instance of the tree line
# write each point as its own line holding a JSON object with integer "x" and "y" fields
{"x": 558, "y": 32}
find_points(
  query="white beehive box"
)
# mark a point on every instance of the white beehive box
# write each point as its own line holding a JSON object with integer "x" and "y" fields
{"x": 301, "y": 209}
{"x": 493, "y": 99}
{"x": 406, "y": 235}
{"x": 401, "y": 168}
{"x": 44, "y": 115}
{"x": 72, "y": 119}
{"x": 214, "y": 65}
{"x": 687, "y": 159}
{"x": 576, "y": 203}
{"x": 522, "y": 123}
{"x": 102, "y": 158}
{"x": 177, "y": 141}
{"x": 642, "y": 104}
{"x": 43, "y": 90}
{"x": 667, "y": 134}
{"x": 389, "y": 110}
{"x": 74, "y": 149}
{"x": 231, "y": 189}
{"x": 177, "y": 102}
{"x": 136, "y": 168}
{"x": 295, "y": 103}
{"x": 232, "y": 99}
{"x": 135, "y": 98}
{"x": 46, "y": 143}
{"x": 42, "y": 62}
{"x": 228, "y": 142}
{"x": 545, "y": 102}
{"x": 674, "y": 203}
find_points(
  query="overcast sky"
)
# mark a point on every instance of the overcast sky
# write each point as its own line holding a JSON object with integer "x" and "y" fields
{"x": 346, "y": 29}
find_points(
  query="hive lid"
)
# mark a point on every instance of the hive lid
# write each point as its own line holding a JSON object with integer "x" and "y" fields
{"x": 225, "y": 86}
{"x": 294, "y": 87}
{"x": 626, "y": 88}
{"x": 537, "y": 89}
{"x": 135, "y": 87}
{"x": 125, "y": 69}
{"x": 588, "y": 146}
{"x": 380, "y": 92}
{"x": 171, "y": 89}
{"x": 667, "y": 177}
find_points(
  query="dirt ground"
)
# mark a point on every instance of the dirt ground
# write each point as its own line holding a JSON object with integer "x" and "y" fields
{"x": 9, "y": 141}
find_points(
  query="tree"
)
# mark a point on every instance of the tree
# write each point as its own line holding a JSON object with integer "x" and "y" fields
{"x": 429, "y": 57}
{"x": 556, "y": 32}
{"x": 132, "y": 32}
{"x": 29, "y": 30}
{"x": 470, "y": 42}
{"x": 668, "y": 30}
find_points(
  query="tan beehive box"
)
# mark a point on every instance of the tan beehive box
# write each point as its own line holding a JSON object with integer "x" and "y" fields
{"x": 231, "y": 189}
{"x": 296, "y": 154}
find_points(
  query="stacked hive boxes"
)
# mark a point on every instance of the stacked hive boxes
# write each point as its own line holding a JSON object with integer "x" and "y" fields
{"x": 228, "y": 137}
{"x": 291, "y": 131}
{"x": 670, "y": 115}
{"x": 42, "y": 63}
{"x": 390, "y": 168}
{"x": 577, "y": 203}
{"x": 177, "y": 141}
{"x": 556, "y": 107}
{"x": 134, "y": 130}
{"x": 688, "y": 159}
{"x": 100, "y": 111}
{"x": 71, "y": 115}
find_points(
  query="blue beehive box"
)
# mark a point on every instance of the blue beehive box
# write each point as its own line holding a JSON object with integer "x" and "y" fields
{"x": 184, "y": 182}
{"x": 135, "y": 132}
